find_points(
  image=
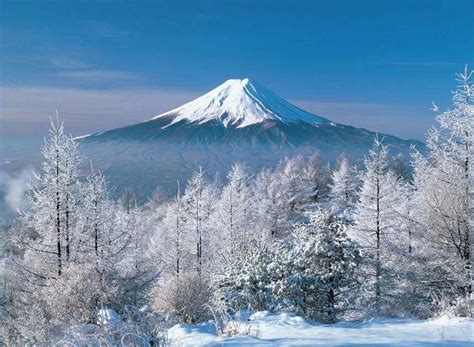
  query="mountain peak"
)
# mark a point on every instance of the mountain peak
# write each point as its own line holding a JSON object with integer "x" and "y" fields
{"x": 239, "y": 103}
{"x": 238, "y": 81}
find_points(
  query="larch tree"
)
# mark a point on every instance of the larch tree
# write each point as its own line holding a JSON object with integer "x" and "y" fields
{"x": 375, "y": 215}
{"x": 198, "y": 205}
{"x": 315, "y": 178}
{"x": 441, "y": 180}
{"x": 290, "y": 174}
{"x": 343, "y": 189}
{"x": 233, "y": 215}
{"x": 96, "y": 220}
{"x": 52, "y": 202}
{"x": 272, "y": 211}
{"x": 172, "y": 238}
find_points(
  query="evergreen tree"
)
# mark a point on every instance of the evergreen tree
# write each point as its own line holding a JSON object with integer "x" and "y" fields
{"x": 316, "y": 269}
{"x": 244, "y": 281}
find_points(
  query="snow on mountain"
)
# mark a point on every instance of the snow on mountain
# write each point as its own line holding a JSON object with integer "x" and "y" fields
{"x": 240, "y": 103}
{"x": 239, "y": 121}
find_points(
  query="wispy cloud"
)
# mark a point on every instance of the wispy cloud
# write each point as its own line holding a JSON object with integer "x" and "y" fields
{"x": 103, "y": 29}
{"x": 415, "y": 63}
{"x": 67, "y": 63}
{"x": 69, "y": 70}
{"x": 98, "y": 74}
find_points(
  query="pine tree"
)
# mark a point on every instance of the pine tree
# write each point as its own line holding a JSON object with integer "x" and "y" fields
{"x": 316, "y": 269}
{"x": 245, "y": 278}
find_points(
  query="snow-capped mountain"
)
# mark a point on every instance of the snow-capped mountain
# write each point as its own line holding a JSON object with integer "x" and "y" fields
{"x": 239, "y": 120}
{"x": 240, "y": 103}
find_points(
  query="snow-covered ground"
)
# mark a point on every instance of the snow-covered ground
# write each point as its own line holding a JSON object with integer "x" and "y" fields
{"x": 286, "y": 329}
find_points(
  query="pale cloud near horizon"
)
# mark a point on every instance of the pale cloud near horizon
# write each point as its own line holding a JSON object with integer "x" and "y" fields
{"x": 98, "y": 74}
{"x": 384, "y": 118}
{"x": 88, "y": 110}
{"x": 27, "y": 109}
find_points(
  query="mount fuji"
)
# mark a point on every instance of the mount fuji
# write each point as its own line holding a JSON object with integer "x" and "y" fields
{"x": 239, "y": 121}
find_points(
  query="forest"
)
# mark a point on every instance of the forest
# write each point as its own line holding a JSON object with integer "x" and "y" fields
{"x": 386, "y": 237}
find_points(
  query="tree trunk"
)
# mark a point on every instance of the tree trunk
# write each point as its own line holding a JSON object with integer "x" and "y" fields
{"x": 377, "y": 232}
{"x": 67, "y": 225}
{"x": 198, "y": 230}
{"x": 178, "y": 246}
{"x": 58, "y": 216}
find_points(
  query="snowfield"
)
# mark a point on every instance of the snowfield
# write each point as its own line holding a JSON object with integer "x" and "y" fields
{"x": 268, "y": 329}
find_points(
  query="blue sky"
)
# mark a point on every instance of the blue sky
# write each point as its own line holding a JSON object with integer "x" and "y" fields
{"x": 374, "y": 64}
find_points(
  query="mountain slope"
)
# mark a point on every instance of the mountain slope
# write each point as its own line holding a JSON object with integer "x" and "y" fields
{"x": 238, "y": 121}
{"x": 240, "y": 103}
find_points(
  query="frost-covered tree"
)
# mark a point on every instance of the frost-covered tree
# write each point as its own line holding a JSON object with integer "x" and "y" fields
{"x": 112, "y": 242}
{"x": 316, "y": 269}
{"x": 441, "y": 180}
{"x": 290, "y": 175}
{"x": 97, "y": 220}
{"x": 74, "y": 251}
{"x": 401, "y": 167}
{"x": 53, "y": 245}
{"x": 375, "y": 216}
{"x": 52, "y": 214}
{"x": 198, "y": 205}
{"x": 233, "y": 215}
{"x": 271, "y": 209}
{"x": 315, "y": 178}
{"x": 173, "y": 240}
{"x": 344, "y": 185}
{"x": 245, "y": 281}
{"x": 128, "y": 199}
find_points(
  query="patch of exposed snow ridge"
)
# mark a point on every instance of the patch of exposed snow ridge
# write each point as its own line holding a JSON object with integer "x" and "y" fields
{"x": 240, "y": 103}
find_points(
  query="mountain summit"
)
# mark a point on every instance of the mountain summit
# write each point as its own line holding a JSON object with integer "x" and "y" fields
{"x": 240, "y": 103}
{"x": 239, "y": 121}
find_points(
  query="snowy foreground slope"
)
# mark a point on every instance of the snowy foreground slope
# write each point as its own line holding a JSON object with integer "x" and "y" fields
{"x": 283, "y": 329}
